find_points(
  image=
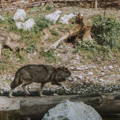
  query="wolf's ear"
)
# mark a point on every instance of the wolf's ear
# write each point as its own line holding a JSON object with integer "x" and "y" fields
{"x": 61, "y": 68}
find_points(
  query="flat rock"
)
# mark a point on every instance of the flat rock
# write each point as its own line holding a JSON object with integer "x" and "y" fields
{"x": 7, "y": 104}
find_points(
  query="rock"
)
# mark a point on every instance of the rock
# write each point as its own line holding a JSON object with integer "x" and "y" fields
{"x": 2, "y": 18}
{"x": 72, "y": 111}
{"x": 19, "y": 25}
{"x": 53, "y": 17}
{"x": 65, "y": 19}
{"x": 79, "y": 77}
{"x": 83, "y": 67}
{"x": 7, "y": 105}
{"x": 29, "y": 24}
{"x": 20, "y": 15}
{"x": 24, "y": 1}
{"x": 110, "y": 67}
{"x": 90, "y": 73}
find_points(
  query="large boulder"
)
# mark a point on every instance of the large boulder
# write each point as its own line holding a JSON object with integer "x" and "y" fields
{"x": 72, "y": 111}
{"x": 27, "y": 25}
{"x": 20, "y": 15}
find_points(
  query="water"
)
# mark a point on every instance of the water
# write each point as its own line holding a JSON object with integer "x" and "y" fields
{"x": 6, "y": 116}
{"x": 112, "y": 118}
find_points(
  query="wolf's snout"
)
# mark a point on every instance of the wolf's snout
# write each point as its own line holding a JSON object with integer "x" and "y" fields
{"x": 71, "y": 79}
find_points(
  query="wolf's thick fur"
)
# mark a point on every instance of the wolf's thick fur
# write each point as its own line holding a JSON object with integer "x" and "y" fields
{"x": 39, "y": 74}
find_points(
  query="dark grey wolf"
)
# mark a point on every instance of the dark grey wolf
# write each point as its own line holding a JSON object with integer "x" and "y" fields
{"x": 39, "y": 73}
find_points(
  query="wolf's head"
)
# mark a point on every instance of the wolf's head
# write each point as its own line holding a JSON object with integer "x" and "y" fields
{"x": 14, "y": 84}
{"x": 62, "y": 74}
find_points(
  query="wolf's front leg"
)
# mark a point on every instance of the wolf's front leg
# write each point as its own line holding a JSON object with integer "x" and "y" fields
{"x": 10, "y": 93}
{"x": 41, "y": 90}
{"x": 64, "y": 87}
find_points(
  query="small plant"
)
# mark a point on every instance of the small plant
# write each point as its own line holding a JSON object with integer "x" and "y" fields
{"x": 31, "y": 49}
{"x": 54, "y": 32}
{"x": 49, "y": 7}
{"x": 49, "y": 55}
{"x": 10, "y": 23}
{"x": 88, "y": 44}
{"x": 106, "y": 31}
{"x": 41, "y": 23}
{"x": 7, "y": 54}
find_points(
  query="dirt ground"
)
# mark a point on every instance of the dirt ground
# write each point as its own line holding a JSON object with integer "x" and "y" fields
{"x": 92, "y": 72}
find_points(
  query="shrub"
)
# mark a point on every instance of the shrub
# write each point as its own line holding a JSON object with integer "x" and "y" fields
{"x": 49, "y": 55}
{"x": 49, "y": 7}
{"x": 87, "y": 45}
{"x": 41, "y": 23}
{"x": 31, "y": 49}
{"x": 106, "y": 31}
{"x": 54, "y": 32}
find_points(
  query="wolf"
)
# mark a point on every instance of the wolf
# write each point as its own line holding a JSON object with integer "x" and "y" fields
{"x": 10, "y": 40}
{"x": 39, "y": 73}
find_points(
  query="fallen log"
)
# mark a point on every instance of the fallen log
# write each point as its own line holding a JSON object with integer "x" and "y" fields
{"x": 56, "y": 43}
{"x": 63, "y": 38}
{"x": 28, "y": 106}
{"x": 81, "y": 30}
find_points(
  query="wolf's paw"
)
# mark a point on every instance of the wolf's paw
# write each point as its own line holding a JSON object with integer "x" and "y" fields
{"x": 55, "y": 94}
{"x": 11, "y": 96}
{"x": 41, "y": 95}
{"x": 67, "y": 91}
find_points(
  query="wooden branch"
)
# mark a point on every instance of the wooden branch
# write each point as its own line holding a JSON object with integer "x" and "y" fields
{"x": 96, "y": 4}
{"x": 57, "y": 43}
{"x": 63, "y": 38}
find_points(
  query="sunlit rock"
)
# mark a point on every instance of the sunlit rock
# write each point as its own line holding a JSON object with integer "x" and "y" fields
{"x": 53, "y": 17}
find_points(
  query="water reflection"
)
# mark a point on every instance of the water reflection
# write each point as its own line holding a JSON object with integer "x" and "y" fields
{"x": 112, "y": 117}
{"x": 8, "y": 116}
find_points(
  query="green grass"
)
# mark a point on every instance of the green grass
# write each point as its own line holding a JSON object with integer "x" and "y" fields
{"x": 41, "y": 23}
{"x": 54, "y": 32}
{"x": 49, "y": 56}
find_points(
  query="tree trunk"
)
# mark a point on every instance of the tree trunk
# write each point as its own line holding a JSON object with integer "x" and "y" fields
{"x": 96, "y": 4}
